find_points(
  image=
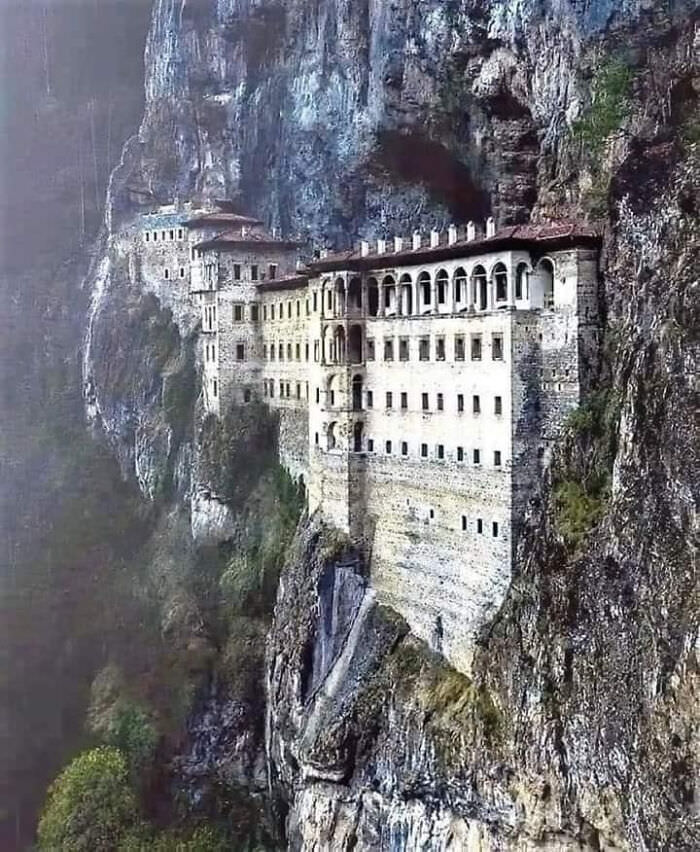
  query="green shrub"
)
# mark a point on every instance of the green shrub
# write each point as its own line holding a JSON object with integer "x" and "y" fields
{"x": 91, "y": 804}
{"x": 609, "y": 105}
{"x": 578, "y": 511}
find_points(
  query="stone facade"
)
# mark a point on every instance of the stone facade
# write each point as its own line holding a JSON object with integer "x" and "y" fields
{"x": 419, "y": 386}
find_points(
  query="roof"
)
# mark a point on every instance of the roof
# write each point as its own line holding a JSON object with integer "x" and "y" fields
{"x": 237, "y": 237}
{"x": 287, "y": 282}
{"x": 559, "y": 234}
{"x": 219, "y": 217}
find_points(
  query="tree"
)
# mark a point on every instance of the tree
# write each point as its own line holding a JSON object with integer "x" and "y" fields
{"x": 91, "y": 804}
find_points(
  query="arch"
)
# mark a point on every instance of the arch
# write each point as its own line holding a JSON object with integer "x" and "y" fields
{"x": 373, "y": 297}
{"x": 339, "y": 293}
{"x": 459, "y": 284}
{"x": 332, "y": 435}
{"x": 424, "y": 292}
{"x": 480, "y": 287}
{"x": 542, "y": 284}
{"x": 406, "y": 295}
{"x": 357, "y": 431}
{"x": 355, "y": 344}
{"x": 389, "y": 288}
{"x": 442, "y": 282}
{"x": 522, "y": 281}
{"x": 357, "y": 393}
{"x": 355, "y": 294}
{"x": 330, "y": 390}
{"x": 499, "y": 280}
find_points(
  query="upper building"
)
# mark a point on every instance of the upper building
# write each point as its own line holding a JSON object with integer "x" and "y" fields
{"x": 419, "y": 384}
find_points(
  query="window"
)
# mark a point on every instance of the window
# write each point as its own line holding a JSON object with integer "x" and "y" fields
{"x": 494, "y": 529}
{"x": 329, "y": 300}
{"x": 264, "y": 387}
{"x": 388, "y": 349}
{"x": 272, "y": 388}
{"x": 215, "y": 388}
{"x": 298, "y": 390}
{"x": 155, "y": 236}
{"x": 424, "y": 451}
{"x": 272, "y": 352}
{"x": 317, "y": 350}
{"x": 314, "y": 296}
{"x": 318, "y": 395}
{"x": 460, "y": 402}
{"x": 254, "y": 313}
{"x": 240, "y": 352}
{"x": 289, "y": 310}
{"x": 404, "y": 448}
{"x": 424, "y": 402}
{"x": 370, "y": 349}
{"x": 182, "y": 272}
{"x": 166, "y": 273}
{"x": 281, "y": 389}
{"x": 272, "y": 270}
{"x": 306, "y": 351}
{"x": 497, "y": 405}
{"x": 497, "y": 347}
{"x": 441, "y": 451}
{"x": 148, "y": 236}
{"x": 476, "y": 404}
{"x": 172, "y": 235}
{"x": 297, "y": 351}
{"x": 464, "y": 523}
{"x": 370, "y": 445}
{"x": 479, "y": 526}
{"x": 370, "y": 399}
{"x": 459, "y": 347}
{"x": 389, "y": 399}
{"x": 496, "y": 458}
{"x": 272, "y": 311}
{"x": 316, "y": 438}
{"x": 460, "y": 453}
{"x": 431, "y": 514}
{"x": 237, "y": 272}
{"x": 440, "y": 349}
{"x": 424, "y": 349}
{"x": 180, "y": 233}
{"x": 476, "y": 347}
{"x": 388, "y": 448}
{"x": 237, "y": 313}
{"x": 404, "y": 400}
{"x": 440, "y": 402}
{"x": 477, "y": 457}
{"x": 246, "y": 395}
{"x": 254, "y": 272}
{"x": 308, "y": 310}
{"x": 403, "y": 349}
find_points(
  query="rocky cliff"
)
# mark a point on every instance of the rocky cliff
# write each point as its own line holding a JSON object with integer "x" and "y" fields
{"x": 337, "y": 119}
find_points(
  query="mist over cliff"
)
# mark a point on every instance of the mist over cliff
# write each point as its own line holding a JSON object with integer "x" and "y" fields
{"x": 335, "y": 120}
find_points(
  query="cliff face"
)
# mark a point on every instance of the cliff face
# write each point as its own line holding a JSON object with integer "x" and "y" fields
{"x": 337, "y": 119}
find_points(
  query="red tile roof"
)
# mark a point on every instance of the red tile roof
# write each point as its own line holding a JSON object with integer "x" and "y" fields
{"x": 249, "y": 236}
{"x": 221, "y": 218}
{"x": 514, "y": 236}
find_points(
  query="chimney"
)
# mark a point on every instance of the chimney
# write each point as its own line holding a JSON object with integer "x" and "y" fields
{"x": 417, "y": 240}
{"x": 434, "y": 238}
{"x": 451, "y": 235}
{"x": 398, "y": 244}
{"x": 490, "y": 227}
{"x": 471, "y": 231}
{"x": 381, "y": 246}
{"x": 364, "y": 248}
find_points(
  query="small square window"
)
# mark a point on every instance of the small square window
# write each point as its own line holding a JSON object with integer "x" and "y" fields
{"x": 237, "y": 313}
{"x": 166, "y": 273}
{"x": 494, "y": 529}
{"x": 388, "y": 448}
{"x": 370, "y": 445}
{"x": 460, "y": 402}
{"x": 424, "y": 451}
{"x": 424, "y": 402}
{"x": 497, "y": 405}
{"x": 370, "y": 399}
{"x": 441, "y": 451}
{"x": 404, "y": 400}
{"x": 237, "y": 274}
{"x": 179, "y": 233}
{"x": 479, "y": 526}
{"x": 431, "y": 514}
{"x": 403, "y": 349}
{"x": 389, "y": 399}
{"x": 404, "y": 448}
{"x": 389, "y": 349}
{"x": 460, "y": 453}
{"x": 254, "y": 313}
{"x": 272, "y": 270}
{"x": 424, "y": 349}
{"x": 440, "y": 349}
{"x": 497, "y": 458}
{"x": 497, "y": 347}
{"x": 182, "y": 272}
{"x": 477, "y": 456}
{"x": 240, "y": 352}
{"x": 370, "y": 349}
{"x": 459, "y": 347}
{"x": 440, "y": 402}
{"x": 148, "y": 236}
{"x": 476, "y": 404}
{"x": 254, "y": 272}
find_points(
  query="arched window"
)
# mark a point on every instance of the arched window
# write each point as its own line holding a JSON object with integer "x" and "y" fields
{"x": 357, "y": 437}
{"x": 372, "y": 297}
{"x": 389, "y": 286}
{"x": 406, "y": 290}
{"x": 339, "y": 288}
{"x": 460, "y": 285}
{"x": 332, "y": 436}
{"x": 522, "y": 281}
{"x": 355, "y": 295}
{"x": 479, "y": 284}
{"x": 424, "y": 292}
{"x": 339, "y": 344}
{"x": 500, "y": 282}
{"x": 546, "y": 270}
{"x": 355, "y": 344}
{"x": 442, "y": 282}
{"x": 357, "y": 393}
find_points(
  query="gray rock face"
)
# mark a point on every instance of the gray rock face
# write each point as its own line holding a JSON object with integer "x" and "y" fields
{"x": 339, "y": 119}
